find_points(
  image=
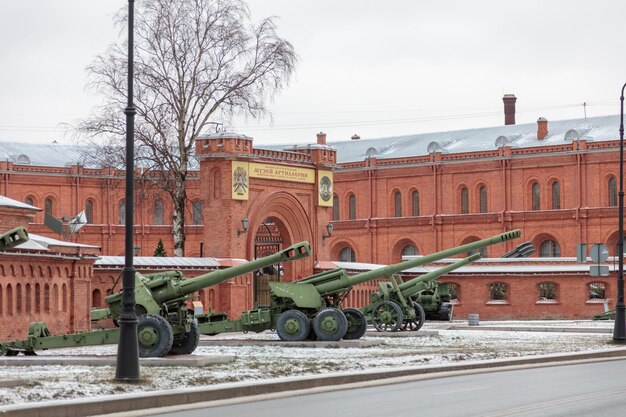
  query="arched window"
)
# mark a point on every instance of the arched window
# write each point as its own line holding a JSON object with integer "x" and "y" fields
{"x": 158, "y": 212}
{"x": 46, "y": 298}
{"x": 612, "y": 192}
{"x": 1, "y": 298}
{"x": 415, "y": 203}
{"x": 89, "y": 211}
{"x": 549, "y": 249}
{"x": 596, "y": 291}
{"x": 121, "y": 212}
{"x": 347, "y": 255}
{"x": 483, "y": 199}
{"x": 55, "y": 298}
{"x": 397, "y": 198}
{"x": 48, "y": 206}
{"x": 409, "y": 250}
{"x": 352, "y": 207}
{"x": 335, "y": 207}
{"x": 9, "y": 300}
{"x": 64, "y": 298}
{"x": 37, "y": 298}
{"x": 498, "y": 292}
{"x": 536, "y": 197}
{"x": 96, "y": 298}
{"x": 18, "y": 298}
{"x": 547, "y": 291}
{"x": 29, "y": 201}
{"x": 556, "y": 195}
{"x": 28, "y": 299}
{"x": 196, "y": 213}
{"x": 482, "y": 251}
{"x": 464, "y": 201}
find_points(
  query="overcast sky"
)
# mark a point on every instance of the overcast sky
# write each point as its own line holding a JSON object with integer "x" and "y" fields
{"x": 372, "y": 68}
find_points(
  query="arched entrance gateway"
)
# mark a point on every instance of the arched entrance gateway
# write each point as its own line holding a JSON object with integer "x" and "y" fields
{"x": 256, "y": 202}
{"x": 277, "y": 220}
{"x": 266, "y": 242}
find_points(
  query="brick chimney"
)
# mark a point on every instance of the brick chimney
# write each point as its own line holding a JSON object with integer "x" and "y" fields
{"x": 355, "y": 137}
{"x": 509, "y": 108}
{"x": 542, "y": 128}
{"x": 321, "y": 138}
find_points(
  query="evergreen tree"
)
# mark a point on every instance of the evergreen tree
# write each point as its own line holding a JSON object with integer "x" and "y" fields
{"x": 160, "y": 249}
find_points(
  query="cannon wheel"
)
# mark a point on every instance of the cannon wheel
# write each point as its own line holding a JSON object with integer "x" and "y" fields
{"x": 330, "y": 324}
{"x": 188, "y": 342}
{"x": 293, "y": 326}
{"x": 387, "y": 316}
{"x": 417, "y": 323}
{"x": 155, "y": 336}
{"x": 445, "y": 313}
{"x": 356, "y": 324}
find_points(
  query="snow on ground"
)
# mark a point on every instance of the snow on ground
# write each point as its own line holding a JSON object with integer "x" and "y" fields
{"x": 256, "y": 361}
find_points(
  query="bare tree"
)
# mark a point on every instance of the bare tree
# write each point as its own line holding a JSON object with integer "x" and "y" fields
{"x": 197, "y": 62}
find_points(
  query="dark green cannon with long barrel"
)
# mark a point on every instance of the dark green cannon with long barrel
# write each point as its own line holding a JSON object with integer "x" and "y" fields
{"x": 312, "y": 307}
{"x": 12, "y": 238}
{"x": 166, "y": 324}
{"x": 396, "y": 304}
{"x": 400, "y": 305}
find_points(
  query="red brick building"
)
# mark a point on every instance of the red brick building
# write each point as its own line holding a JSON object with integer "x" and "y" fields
{"x": 504, "y": 289}
{"x": 42, "y": 279}
{"x": 554, "y": 180}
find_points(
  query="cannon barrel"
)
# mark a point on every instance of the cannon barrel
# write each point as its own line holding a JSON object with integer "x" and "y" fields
{"x": 330, "y": 286}
{"x": 412, "y": 287}
{"x": 297, "y": 251}
{"x": 13, "y": 238}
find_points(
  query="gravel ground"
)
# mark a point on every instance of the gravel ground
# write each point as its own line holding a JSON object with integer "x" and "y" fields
{"x": 255, "y": 362}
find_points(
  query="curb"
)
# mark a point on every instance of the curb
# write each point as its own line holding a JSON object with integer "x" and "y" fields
{"x": 157, "y": 399}
{"x": 359, "y": 343}
{"x": 533, "y": 329}
{"x": 186, "y": 360}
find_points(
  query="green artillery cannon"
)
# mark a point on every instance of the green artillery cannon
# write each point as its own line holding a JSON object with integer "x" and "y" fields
{"x": 312, "y": 307}
{"x": 166, "y": 323}
{"x": 13, "y": 238}
{"x": 435, "y": 298}
{"x": 397, "y": 305}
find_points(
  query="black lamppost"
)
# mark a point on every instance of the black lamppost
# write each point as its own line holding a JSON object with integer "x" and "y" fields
{"x": 127, "y": 349}
{"x": 619, "y": 331}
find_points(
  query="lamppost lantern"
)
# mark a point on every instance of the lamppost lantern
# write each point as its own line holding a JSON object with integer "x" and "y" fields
{"x": 619, "y": 331}
{"x": 245, "y": 223}
{"x": 329, "y": 230}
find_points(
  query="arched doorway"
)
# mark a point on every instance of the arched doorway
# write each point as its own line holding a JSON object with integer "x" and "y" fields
{"x": 267, "y": 241}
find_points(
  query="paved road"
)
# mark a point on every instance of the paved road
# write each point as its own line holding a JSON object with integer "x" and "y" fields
{"x": 593, "y": 389}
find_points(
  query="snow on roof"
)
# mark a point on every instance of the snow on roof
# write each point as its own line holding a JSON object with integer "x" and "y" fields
{"x": 484, "y": 266}
{"x": 9, "y": 202}
{"x": 60, "y": 155}
{"x": 48, "y": 241}
{"x": 597, "y": 129}
{"x": 560, "y": 132}
{"x": 168, "y": 262}
{"x": 41, "y": 154}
